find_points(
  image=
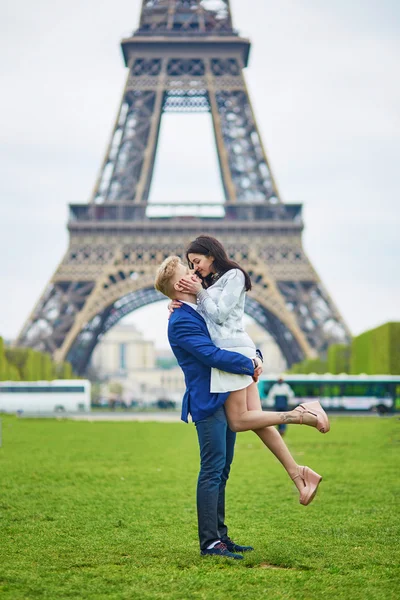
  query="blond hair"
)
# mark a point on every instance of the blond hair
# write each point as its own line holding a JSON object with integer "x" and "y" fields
{"x": 164, "y": 279}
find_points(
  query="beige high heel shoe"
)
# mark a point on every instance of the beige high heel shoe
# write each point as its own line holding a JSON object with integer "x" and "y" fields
{"x": 311, "y": 481}
{"x": 314, "y": 408}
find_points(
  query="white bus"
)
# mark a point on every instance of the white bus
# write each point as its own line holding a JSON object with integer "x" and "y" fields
{"x": 339, "y": 392}
{"x": 59, "y": 396}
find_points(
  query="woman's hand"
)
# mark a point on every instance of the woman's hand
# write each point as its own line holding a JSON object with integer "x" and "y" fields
{"x": 172, "y": 305}
{"x": 191, "y": 284}
{"x": 258, "y": 370}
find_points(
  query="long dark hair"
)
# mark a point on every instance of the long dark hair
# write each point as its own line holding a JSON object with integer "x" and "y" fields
{"x": 209, "y": 246}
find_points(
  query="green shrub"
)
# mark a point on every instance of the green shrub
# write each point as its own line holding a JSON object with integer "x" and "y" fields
{"x": 311, "y": 365}
{"x": 37, "y": 365}
{"x": 48, "y": 367}
{"x": 17, "y": 357}
{"x": 8, "y": 371}
{"x": 339, "y": 359}
{"x": 3, "y": 361}
{"x": 64, "y": 371}
{"x": 13, "y": 373}
{"x": 30, "y": 369}
{"x": 26, "y": 361}
{"x": 377, "y": 351}
{"x": 394, "y": 359}
{"x": 359, "y": 362}
{"x": 26, "y": 364}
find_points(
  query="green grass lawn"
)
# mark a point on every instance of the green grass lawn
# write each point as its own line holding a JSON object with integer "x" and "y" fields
{"x": 107, "y": 510}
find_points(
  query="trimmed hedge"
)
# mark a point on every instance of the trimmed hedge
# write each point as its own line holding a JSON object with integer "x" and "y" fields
{"x": 48, "y": 370}
{"x": 339, "y": 359}
{"x": 25, "y": 364}
{"x": 2, "y": 359}
{"x": 8, "y": 371}
{"x": 374, "y": 352}
{"x": 64, "y": 371}
{"x": 377, "y": 351}
{"x": 315, "y": 365}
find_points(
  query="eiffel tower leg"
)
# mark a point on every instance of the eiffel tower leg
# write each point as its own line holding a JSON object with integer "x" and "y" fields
{"x": 244, "y": 166}
{"x": 316, "y": 313}
{"x": 126, "y": 172}
{"x": 143, "y": 188}
{"x": 55, "y": 313}
{"x": 223, "y": 157}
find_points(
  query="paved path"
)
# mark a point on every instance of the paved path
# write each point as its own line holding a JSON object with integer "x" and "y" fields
{"x": 168, "y": 417}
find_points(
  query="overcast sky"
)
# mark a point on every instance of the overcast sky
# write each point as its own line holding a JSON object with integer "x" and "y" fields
{"x": 324, "y": 82}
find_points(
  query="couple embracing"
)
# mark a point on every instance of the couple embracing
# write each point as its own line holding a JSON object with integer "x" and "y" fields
{"x": 221, "y": 367}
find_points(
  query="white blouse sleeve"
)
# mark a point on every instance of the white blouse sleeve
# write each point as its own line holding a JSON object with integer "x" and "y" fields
{"x": 230, "y": 294}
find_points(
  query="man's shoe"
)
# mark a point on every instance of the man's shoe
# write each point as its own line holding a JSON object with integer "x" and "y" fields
{"x": 221, "y": 550}
{"x": 232, "y": 547}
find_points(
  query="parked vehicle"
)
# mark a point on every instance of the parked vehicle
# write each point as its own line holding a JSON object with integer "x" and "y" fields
{"x": 339, "y": 392}
{"x": 59, "y": 396}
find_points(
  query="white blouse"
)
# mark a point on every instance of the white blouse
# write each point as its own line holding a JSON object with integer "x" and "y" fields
{"x": 222, "y": 307}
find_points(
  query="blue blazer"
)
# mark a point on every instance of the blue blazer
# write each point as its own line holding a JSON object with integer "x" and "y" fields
{"x": 196, "y": 354}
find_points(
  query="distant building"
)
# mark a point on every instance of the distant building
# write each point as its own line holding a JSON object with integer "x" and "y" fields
{"x": 159, "y": 384}
{"x": 146, "y": 375}
{"x": 121, "y": 351}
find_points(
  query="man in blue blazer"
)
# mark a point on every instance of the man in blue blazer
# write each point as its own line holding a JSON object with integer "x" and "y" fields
{"x": 196, "y": 354}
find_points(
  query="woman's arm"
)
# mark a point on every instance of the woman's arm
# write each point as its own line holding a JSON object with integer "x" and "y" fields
{"x": 220, "y": 310}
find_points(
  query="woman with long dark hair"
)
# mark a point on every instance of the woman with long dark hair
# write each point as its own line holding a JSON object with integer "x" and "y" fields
{"x": 220, "y": 285}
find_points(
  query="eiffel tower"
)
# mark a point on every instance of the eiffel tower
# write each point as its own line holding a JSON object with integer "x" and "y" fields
{"x": 184, "y": 57}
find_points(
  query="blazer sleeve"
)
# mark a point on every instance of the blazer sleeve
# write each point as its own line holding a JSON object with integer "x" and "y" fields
{"x": 230, "y": 294}
{"x": 194, "y": 339}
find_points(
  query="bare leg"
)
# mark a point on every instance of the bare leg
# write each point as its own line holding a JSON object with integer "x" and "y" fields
{"x": 272, "y": 439}
{"x": 242, "y": 419}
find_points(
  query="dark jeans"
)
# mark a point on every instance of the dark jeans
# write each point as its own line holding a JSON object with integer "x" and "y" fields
{"x": 281, "y": 405}
{"x": 217, "y": 444}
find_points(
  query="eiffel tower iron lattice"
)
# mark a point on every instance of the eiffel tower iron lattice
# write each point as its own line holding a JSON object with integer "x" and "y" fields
{"x": 186, "y": 57}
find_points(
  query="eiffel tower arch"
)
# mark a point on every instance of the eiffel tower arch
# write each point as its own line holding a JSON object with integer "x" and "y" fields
{"x": 184, "y": 57}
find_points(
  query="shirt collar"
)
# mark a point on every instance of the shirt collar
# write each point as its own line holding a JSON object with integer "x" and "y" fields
{"x": 194, "y": 306}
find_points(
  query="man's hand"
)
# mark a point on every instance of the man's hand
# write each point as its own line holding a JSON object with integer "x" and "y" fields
{"x": 172, "y": 305}
{"x": 258, "y": 369}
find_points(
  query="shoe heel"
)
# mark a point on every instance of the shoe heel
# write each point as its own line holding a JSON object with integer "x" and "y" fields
{"x": 313, "y": 477}
{"x": 312, "y": 481}
{"x": 316, "y": 409}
